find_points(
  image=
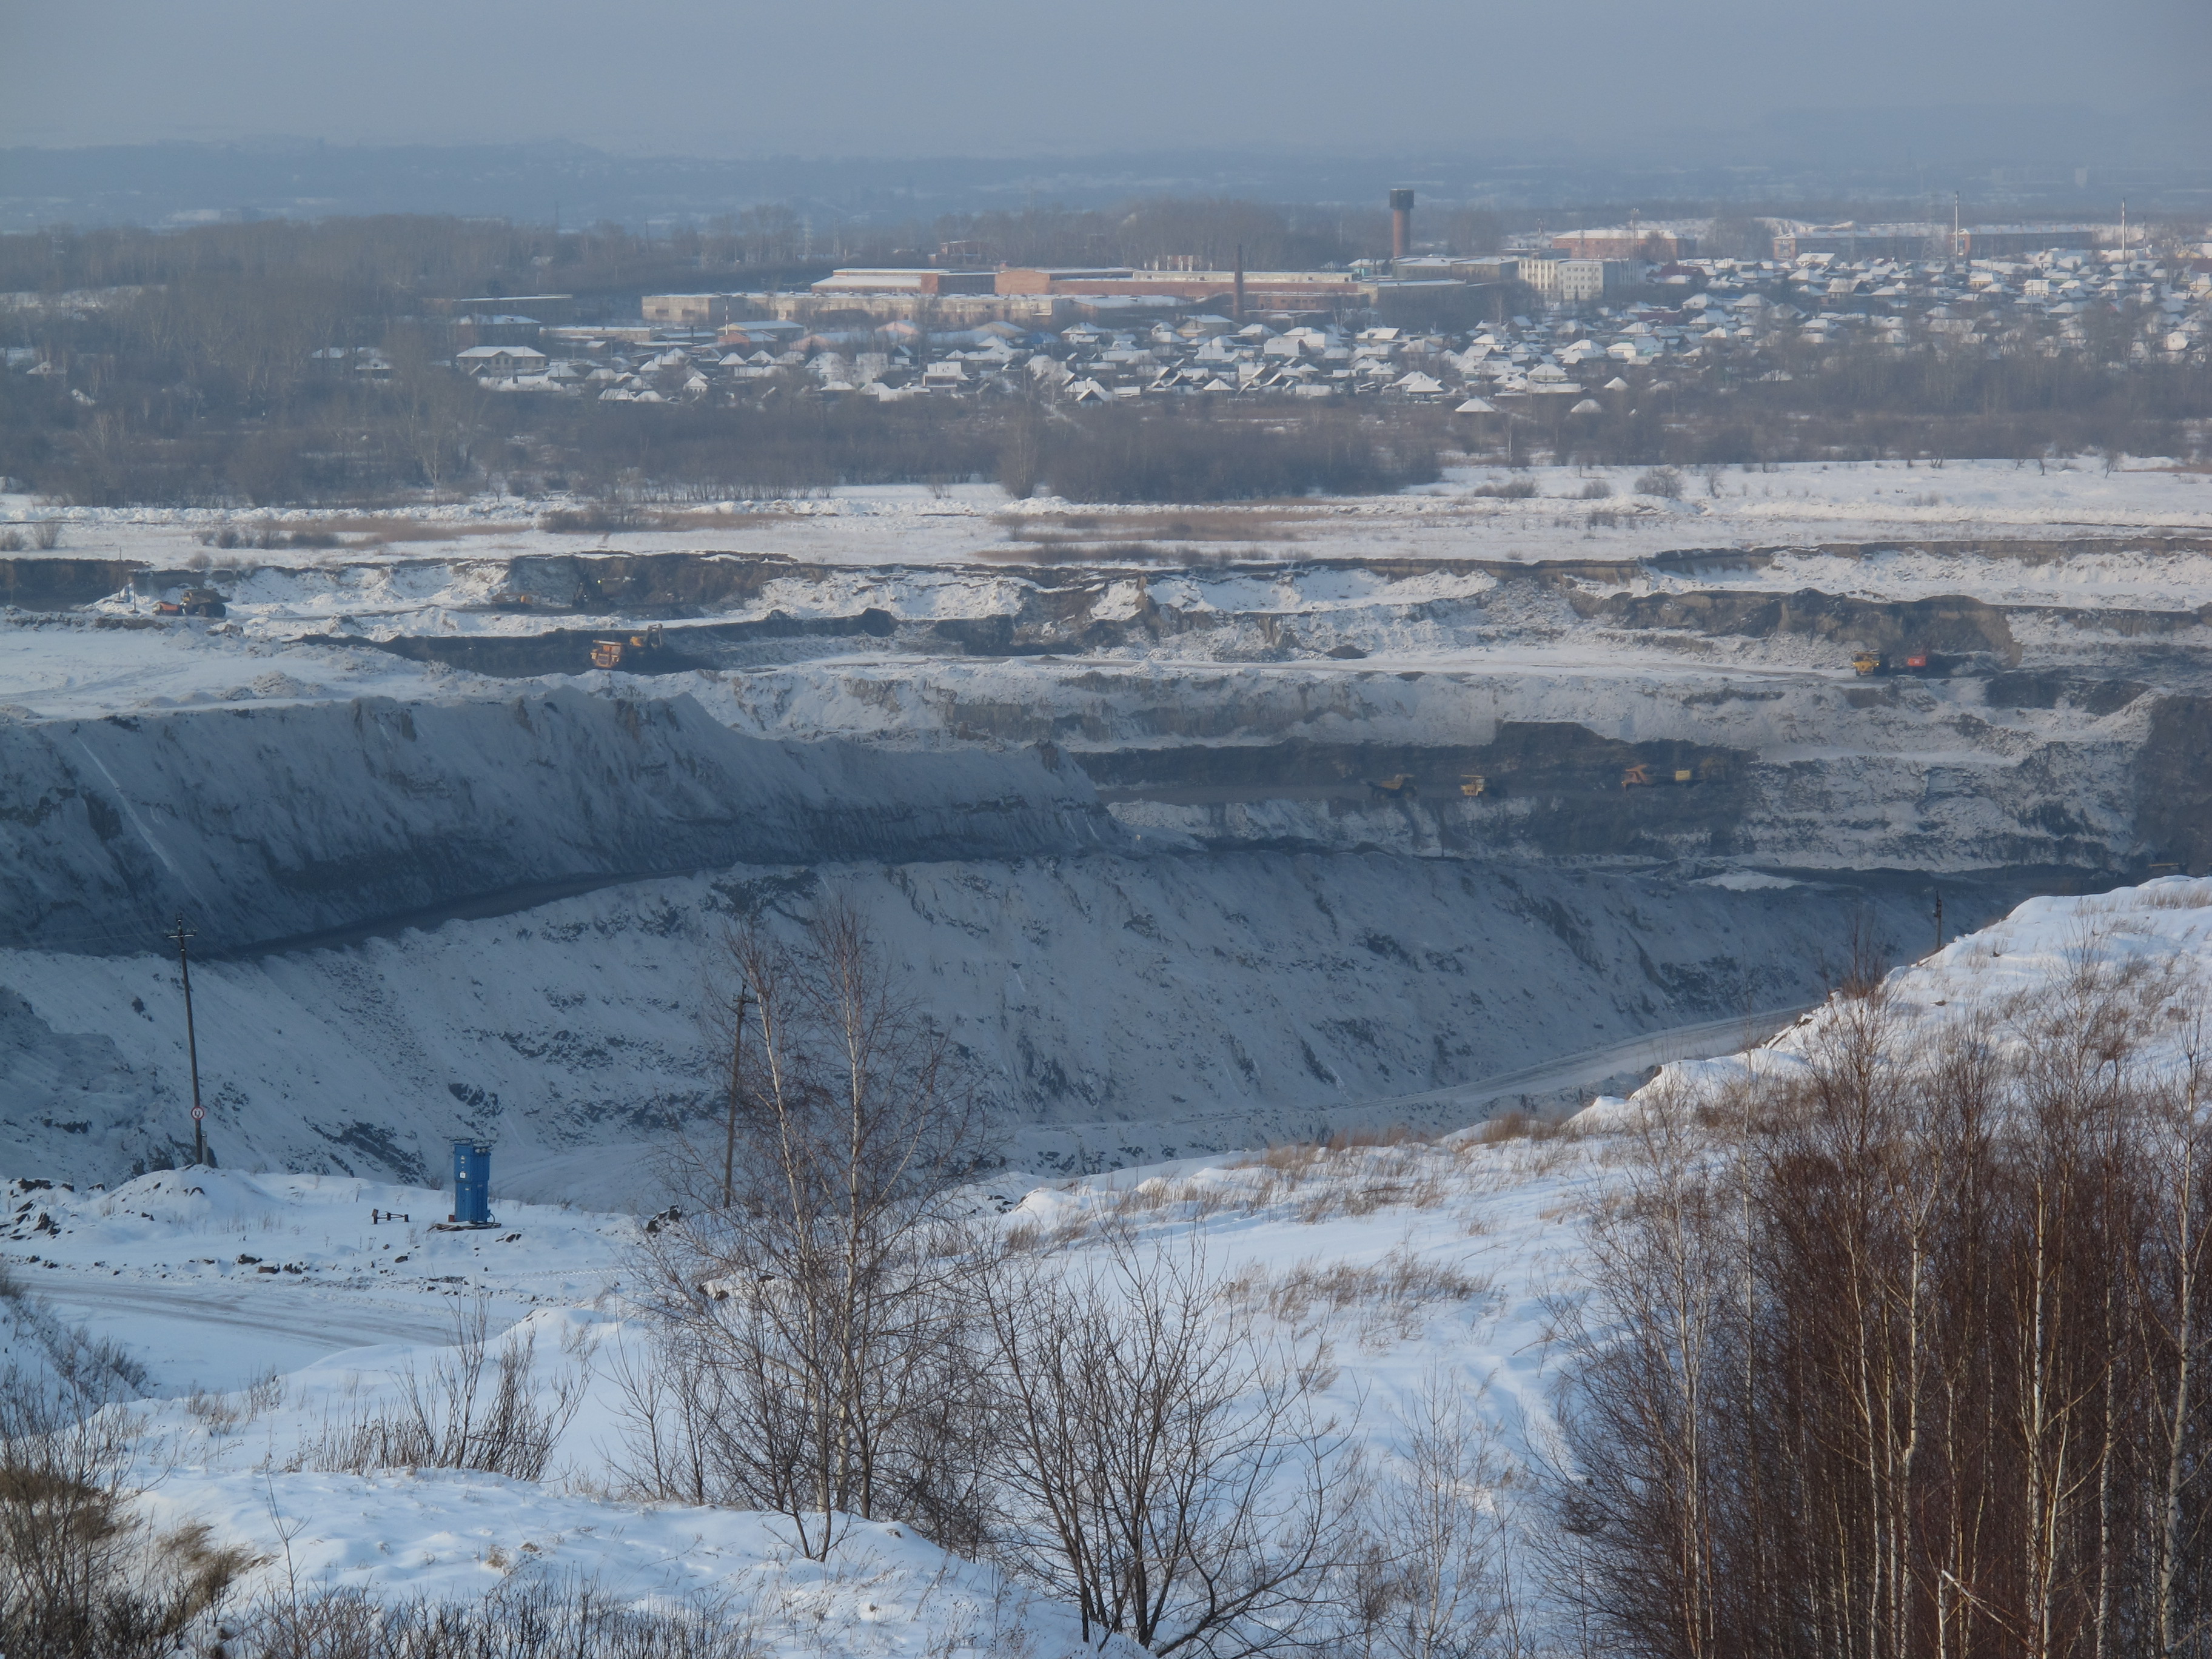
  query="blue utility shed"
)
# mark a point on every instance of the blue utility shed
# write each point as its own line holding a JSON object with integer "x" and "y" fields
{"x": 472, "y": 1184}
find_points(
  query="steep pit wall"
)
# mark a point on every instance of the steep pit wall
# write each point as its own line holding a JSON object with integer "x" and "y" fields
{"x": 273, "y": 824}
{"x": 1952, "y": 625}
{"x": 706, "y": 645}
{"x": 47, "y": 583}
{"x": 1237, "y": 612}
{"x": 1118, "y": 1009}
{"x": 1792, "y": 769}
{"x": 2173, "y": 783}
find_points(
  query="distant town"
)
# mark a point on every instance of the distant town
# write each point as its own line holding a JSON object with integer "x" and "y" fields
{"x": 1575, "y": 316}
{"x": 1324, "y": 349}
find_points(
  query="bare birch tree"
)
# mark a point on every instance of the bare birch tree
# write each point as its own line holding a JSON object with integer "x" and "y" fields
{"x": 813, "y": 1355}
{"x": 1958, "y": 1292}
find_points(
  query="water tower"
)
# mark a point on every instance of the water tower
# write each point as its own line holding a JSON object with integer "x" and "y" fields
{"x": 1401, "y": 223}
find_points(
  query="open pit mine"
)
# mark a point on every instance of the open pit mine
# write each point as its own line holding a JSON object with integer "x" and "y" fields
{"x": 1188, "y": 853}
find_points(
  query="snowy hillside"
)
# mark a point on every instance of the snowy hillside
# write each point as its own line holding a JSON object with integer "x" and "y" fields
{"x": 1423, "y": 1265}
{"x": 1122, "y": 1009}
{"x": 2153, "y": 944}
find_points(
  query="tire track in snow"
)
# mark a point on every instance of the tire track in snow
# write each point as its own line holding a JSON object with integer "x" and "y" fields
{"x": 338, "y": 1325}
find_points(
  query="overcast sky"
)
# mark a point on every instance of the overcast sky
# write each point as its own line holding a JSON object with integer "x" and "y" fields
{"x": 991, "y": 77}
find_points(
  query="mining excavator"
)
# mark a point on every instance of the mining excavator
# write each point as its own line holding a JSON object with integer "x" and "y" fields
{"x": 626, "y": 647}
{"x": 1868, "y": 664}
{"x": 1472, "y": 784}
{"x": 1638, "y": 777}
{"x": 1398, "y": 786}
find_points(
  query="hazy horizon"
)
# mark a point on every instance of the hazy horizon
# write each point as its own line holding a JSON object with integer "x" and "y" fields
{"x": 859, "y": 78}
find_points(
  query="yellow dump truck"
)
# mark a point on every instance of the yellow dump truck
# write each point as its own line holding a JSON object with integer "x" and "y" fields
{"x": 626, "y": 647}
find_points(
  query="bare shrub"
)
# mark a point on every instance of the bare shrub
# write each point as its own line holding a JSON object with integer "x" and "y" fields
{"x": 2191, "y": 895}
{"x": 812, "y": 1357}
{"x": 530, "y": 1617}
{"x": 1354, "y": 1172}
{"x": 80, "y": 1578}
{"x": 1513, "y": 489}
{"x": 1516, "y": 1125}
{"x": 1159, "y": 1465}
{"x": 469, "y": 1413}
{"x": 598, "y": 519}
{"x": 86, "y": 1366}
{"x": 1596, "y": 490}
{"x": 268, "y": 539}
{"x": 1156, "y": 454}
{"x": 1663, "y": 482}
{"x": 226, "y": 1413}
{"x": 1237, "y": 524}
{"x": 1390, "y": 1297}
{"x": 1435, "y": 1580}
{"x": 46, "y": 534}
{"x": 1162, "y": 1199}
{"x": 1392, "y": 1134}
{"x": 11, "y": 541}
{"x": 1357, "y": 1172}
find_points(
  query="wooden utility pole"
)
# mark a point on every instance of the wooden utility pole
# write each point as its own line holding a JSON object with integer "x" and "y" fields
{"x": 1939, "y": 918}
{"x": 180, "y": 933}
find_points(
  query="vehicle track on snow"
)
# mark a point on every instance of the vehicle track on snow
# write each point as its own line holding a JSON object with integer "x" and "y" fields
{"x": 311, "y": 1319}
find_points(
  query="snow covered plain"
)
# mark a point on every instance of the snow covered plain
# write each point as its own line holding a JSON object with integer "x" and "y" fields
{"x": 1421, "y": 1263}
{"x": 1801, "y": 503}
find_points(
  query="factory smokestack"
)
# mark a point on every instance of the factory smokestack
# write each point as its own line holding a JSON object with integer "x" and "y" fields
{"x": 1401, "y": 223}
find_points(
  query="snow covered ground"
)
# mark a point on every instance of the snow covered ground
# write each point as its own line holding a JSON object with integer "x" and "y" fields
{"x": 62, "y": 669}
{"x": 1403, "y": 584}
{"x": 1215, "y": 980}
{"x": 1799, "y": 501}
{"x": 213, "y": 1277}
{"x": 885, "y": 1592}
{"x": 1420, "y": 1263}
{"x": 2154, "y": 941}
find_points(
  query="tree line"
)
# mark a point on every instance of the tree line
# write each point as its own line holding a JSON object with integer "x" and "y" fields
{"x": 1902, "y": 1354}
